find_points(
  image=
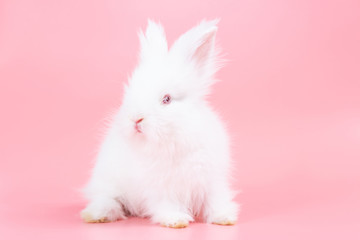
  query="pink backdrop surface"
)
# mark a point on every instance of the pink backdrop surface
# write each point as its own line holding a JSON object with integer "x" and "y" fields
{"x": 290, "y": 93}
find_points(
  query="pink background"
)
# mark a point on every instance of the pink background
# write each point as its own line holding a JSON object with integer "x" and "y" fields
{"x": 290, "y": 95}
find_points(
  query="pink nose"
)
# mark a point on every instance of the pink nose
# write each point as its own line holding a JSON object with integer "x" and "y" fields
{"x": 139, "y": 120}
{"x": 137, "y": 126}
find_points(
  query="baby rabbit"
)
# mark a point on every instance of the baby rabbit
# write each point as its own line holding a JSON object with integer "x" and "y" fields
{"x": 166, "y": 153}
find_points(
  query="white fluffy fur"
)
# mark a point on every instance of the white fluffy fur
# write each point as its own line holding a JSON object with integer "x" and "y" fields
{"x": 178, "y": 166}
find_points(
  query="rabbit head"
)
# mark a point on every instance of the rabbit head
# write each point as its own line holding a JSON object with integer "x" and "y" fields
{"x": 166, "y": 93}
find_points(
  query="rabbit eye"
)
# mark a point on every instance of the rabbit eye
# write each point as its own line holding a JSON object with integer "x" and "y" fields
{"x": 166, "y": 99}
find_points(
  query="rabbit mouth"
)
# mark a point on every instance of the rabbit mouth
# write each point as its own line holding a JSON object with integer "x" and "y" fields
{"x": 138, "y": 125}
{"x": 138, "y": 128}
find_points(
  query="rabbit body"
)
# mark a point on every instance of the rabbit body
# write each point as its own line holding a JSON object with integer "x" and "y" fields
{"x": 166, "y": 153}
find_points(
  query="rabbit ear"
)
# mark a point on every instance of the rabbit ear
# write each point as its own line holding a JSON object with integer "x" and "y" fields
{"x": 153, "y": 42}
{"x": 203, "y": 51}
{"x": 198, "y": 46}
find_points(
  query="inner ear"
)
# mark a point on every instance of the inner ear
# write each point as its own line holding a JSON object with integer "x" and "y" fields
{"x": 204, "y": 49}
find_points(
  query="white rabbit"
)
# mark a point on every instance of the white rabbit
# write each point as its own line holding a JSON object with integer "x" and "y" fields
{"x": 166, "y": 153}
